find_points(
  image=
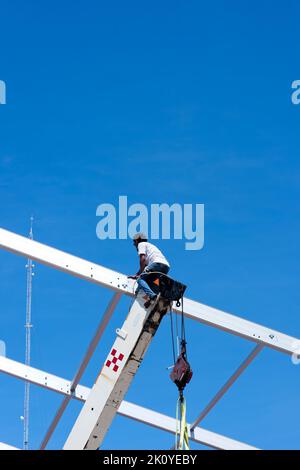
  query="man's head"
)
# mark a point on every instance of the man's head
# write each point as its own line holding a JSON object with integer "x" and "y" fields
{"x": 138, "y": 238}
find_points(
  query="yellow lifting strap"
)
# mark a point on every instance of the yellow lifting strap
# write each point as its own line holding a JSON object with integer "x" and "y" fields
{"x": 182, "y": 435}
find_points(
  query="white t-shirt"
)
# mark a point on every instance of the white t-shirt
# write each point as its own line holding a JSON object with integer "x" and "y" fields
{"x": 153, "y": 254}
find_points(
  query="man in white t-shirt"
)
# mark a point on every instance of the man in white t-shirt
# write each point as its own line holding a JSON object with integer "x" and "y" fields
{"x": 151, "y": 260}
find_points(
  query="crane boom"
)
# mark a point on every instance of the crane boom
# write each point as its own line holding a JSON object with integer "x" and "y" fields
{"x": 117, "y": 373}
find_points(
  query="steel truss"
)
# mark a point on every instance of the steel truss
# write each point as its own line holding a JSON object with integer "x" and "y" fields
{"x": 261, "y": 336}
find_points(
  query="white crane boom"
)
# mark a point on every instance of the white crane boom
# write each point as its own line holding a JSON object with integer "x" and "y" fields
{"x": 117, "y": 374}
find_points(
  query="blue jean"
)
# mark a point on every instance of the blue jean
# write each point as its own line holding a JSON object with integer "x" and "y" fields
{"x": 153, "y": 267}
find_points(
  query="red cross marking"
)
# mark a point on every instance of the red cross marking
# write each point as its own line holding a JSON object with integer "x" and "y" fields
{"x": 114, "y": 359}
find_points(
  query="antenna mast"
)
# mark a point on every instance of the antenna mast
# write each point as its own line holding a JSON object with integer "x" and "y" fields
{"x": 28, "y": 326}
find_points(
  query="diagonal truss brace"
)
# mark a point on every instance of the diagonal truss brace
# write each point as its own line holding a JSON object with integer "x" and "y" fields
{"x": 227, "y": 385}
{"x": 126, "y": 409}
{"x": 99, "y": 332}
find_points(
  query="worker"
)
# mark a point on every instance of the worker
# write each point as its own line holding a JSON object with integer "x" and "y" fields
{"x": 151, "y": 260}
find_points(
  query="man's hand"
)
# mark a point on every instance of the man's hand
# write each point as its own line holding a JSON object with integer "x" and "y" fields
{"x": 142, "y": 267}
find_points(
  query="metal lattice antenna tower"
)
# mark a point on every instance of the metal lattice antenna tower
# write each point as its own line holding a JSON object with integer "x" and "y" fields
{"x": 28, "y": 326}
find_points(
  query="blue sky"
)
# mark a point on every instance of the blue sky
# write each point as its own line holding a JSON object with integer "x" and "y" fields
{"x": 185, "y": 102}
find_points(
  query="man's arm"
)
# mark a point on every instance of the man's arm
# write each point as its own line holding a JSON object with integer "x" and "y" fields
{"x": 143, "y": 264}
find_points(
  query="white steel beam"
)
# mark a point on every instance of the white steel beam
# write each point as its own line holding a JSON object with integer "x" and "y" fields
{"x": 84, "y": 363}
{"x": 166, "y": 423}
{"x": 227, "y": 385}
{"x": 4, "y": 446}
{"x": 111, "y": 279}
{"x": 126, "y": 409}
{"x": 42, "y": 379}
{"x": 65, "y": 262}
{"x": 239, "y": 326}
{"x": 36, "y": 376}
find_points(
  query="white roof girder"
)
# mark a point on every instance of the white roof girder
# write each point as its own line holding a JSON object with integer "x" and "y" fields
{"x": 119, "y": 282}
{"x": 126, "y": 409}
